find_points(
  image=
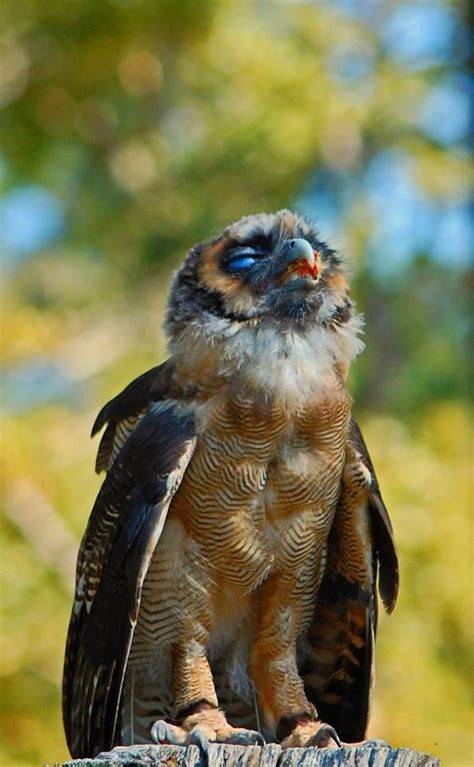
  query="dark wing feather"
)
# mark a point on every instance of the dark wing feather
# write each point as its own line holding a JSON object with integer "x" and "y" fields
{"x": 123, "y": 530}
{"x": 123, "y": 412}
{"x": 388, "y": 573}
{"x": 338, "y": 656}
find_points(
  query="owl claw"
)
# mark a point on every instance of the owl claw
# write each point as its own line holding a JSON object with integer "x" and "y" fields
{"x": 258, "y": 738}
{"x": 199, "y": 738}
{"x": 313, "y": 734}
{"x": 245, "y": 738}
{"x": 163, "y": 732}
{"x": 322, "y": 738}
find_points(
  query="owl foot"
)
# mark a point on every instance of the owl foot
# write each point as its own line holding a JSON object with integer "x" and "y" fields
{"x": 320, "y": 735}
{"x": 325, "y": 737}
{"x": 163, "y": 732}
{"x": 201, "y": 729}
{"x": 310, "y": 733}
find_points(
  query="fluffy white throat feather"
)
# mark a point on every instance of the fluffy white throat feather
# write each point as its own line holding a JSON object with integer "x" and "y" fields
{"x": 292, "y": 364}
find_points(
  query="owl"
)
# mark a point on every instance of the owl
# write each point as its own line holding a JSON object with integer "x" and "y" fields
{"x": 227, "y": 580}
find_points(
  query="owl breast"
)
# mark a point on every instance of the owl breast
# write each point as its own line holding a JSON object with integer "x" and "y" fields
{"x": 260, "y": 492}
{"x": 257, "y": 500}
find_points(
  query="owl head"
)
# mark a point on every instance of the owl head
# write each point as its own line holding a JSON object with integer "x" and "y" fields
{"x": 269, "y": 273}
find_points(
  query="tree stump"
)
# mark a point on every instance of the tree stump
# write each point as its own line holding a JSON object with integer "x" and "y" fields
{"x": 257, "y": 756}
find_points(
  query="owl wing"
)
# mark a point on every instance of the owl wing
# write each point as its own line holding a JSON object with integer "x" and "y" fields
{"x": 150, "y": 443}
{"x": 337, "y": 665}
{"x": 123, "y": 412}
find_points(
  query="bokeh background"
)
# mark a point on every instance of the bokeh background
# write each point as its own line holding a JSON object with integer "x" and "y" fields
{"x": 132, "y": 129}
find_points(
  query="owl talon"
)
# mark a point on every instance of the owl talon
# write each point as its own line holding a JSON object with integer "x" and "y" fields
{"x": 199, "y": 738}
{"x": 313, "y": 734}
{"x": 163, "y": 732}
{"x": 322, "y": 738}
{"x": 245, "y": 738}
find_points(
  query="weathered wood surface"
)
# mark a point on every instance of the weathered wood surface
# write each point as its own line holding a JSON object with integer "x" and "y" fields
{"x": 256, "y": 756}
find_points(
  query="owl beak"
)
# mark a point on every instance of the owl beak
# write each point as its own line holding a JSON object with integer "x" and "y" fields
{"x": 300, "y": 260}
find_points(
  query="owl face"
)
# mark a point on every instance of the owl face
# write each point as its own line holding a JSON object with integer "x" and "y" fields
{"x": 264, "y": 269}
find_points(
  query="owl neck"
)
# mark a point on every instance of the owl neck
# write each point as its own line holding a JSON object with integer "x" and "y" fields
{"x": 214, "y": 351}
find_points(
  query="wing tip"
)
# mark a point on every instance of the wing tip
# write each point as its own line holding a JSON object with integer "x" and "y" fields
{"x": 389, "y": 585}
{"x": 101, "y": 420}
{"x": 387, "y": 555}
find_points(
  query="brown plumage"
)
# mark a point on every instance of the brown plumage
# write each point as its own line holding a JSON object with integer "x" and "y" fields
{"x": 226, "y": 582}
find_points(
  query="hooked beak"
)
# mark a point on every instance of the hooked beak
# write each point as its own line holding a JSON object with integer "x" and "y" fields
{"x": 299, "y": 260}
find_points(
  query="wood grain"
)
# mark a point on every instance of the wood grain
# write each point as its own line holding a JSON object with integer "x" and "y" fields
{"x": 255, "y": 756}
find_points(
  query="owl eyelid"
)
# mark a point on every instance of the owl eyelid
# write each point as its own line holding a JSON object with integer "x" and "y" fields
{"x": 247, "y": 250}
{"x": 240, "y": 263}
{"x": 243, "y": 257}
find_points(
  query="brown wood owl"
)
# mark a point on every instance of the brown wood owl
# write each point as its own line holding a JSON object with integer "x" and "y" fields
{"x": 226, "y": 581}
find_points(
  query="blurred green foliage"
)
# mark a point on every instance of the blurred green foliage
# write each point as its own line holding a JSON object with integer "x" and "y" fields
{"x": 150, "y": 124}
